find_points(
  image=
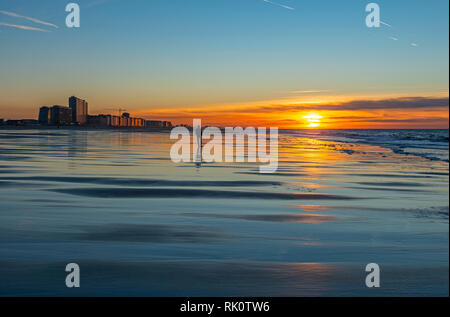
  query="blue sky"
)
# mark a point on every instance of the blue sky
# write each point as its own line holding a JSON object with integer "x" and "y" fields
{"x": 174, "y": 53}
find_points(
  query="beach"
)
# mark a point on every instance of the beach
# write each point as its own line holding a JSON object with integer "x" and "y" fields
{"x": 140, "y": 225}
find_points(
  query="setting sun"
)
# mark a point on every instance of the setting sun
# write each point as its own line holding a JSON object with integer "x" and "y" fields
{"x": 313, "y": 120}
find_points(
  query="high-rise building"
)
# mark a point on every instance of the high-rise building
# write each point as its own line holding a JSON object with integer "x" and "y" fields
{"x": 114, "y": 121}
{"x": 153, "y": 124}
{"x": 44, "y": 115}
{"x": 60, "y": 115}
{"x": 79, "y": 110}
{"x": 125, "y": 120}
{"x": 99, "y": 121}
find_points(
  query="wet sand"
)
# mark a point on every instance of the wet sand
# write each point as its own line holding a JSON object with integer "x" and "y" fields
{"x": 140, "y": 225}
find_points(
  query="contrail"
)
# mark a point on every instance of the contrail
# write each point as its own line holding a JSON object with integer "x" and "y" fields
{"x": 386, "y": 24}
{"x": 12, "y": 14}
{"x": 23, "y": 27}
{"x": 278, "y": 4}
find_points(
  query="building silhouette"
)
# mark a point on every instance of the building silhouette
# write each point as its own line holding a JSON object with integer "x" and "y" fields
{"x": 60, "y": 115}
{"x": 158, "y": 124}
{"x": 79, "y": 110}
{"x": 77, "y": 114}
{"x": 108, "y": 120}
{"x": 44, "y": 115}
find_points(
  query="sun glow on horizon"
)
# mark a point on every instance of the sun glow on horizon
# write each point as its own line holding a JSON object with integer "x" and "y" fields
{"x": 313, "y": 120}
{"x": 339, "y": 114}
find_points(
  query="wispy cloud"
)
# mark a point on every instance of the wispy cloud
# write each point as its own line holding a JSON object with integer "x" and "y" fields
{"x": 22, "y": 27}
{"x": 15, "y": 15}
{"x": 279, "y": 4}
{"x": 414, "y": 44}
{"x": 393, "y": 38}
{"x": 393, "y": 103}
{"x": 311, "y": 91}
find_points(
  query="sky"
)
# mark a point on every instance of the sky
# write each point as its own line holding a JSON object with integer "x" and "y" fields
{"x": 285, "y": 63}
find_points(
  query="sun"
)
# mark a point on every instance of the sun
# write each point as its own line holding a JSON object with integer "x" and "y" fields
{"x": 313, "y": 120}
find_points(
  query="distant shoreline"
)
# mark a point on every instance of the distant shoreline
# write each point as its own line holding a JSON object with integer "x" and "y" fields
{"x": 86, "y": 128}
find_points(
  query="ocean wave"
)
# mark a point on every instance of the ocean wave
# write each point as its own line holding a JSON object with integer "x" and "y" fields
{"x": 429, "y": 144}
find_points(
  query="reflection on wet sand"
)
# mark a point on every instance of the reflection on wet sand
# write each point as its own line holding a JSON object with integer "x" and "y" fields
{"x": 305, "y": 218}
{"x": 313, "y": 208}
{"x": 140, "y": 225}
{"x": 206, "y": 278}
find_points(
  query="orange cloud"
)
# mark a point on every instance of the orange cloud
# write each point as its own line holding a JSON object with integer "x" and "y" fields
{"x": 400, "y": 112}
